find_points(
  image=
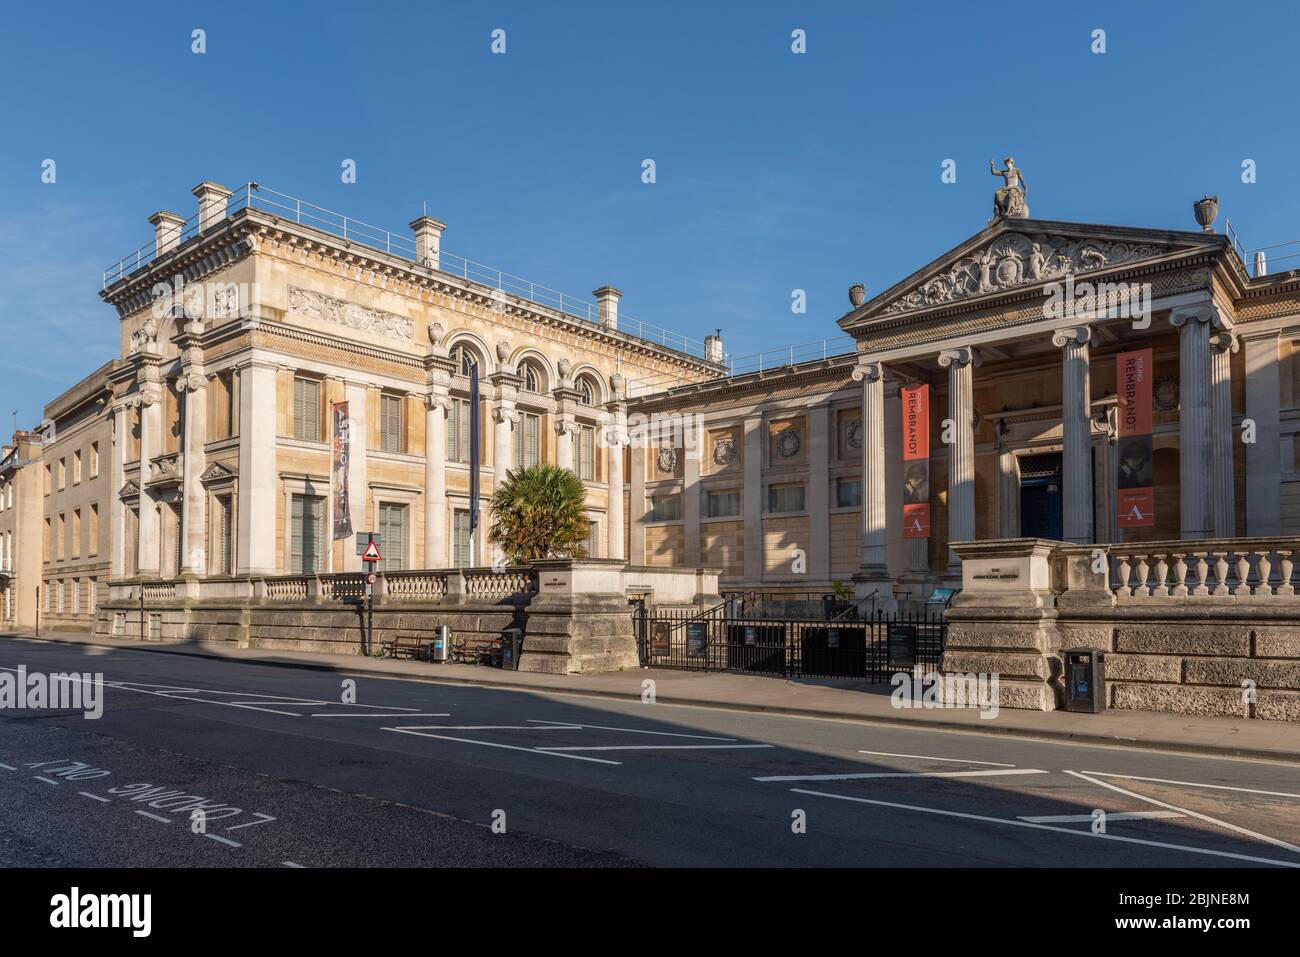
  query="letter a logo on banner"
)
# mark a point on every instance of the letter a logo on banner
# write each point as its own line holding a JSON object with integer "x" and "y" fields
{"x": 916, "y": 461}
{"x": 1135, "y": 483}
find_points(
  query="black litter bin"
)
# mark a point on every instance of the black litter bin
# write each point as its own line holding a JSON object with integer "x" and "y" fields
{"x": 1085, "y": 679}
{"x": 512, "y": 643}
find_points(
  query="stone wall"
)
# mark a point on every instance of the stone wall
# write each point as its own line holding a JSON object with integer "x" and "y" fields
{"x": 1193, "y": 627}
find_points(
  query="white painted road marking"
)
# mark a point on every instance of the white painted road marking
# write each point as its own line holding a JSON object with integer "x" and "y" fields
{"x": 94, "y": 797}
{"x": 223, "y": 840}
{"x": 1194, "y": 784}
{"x": 928, "y": 757}
{"x": 1087, "y": 818}
{"x": 1077, "y": 832}
{"x": 601, "y": 727}
{"x": 656, "y": 747}
{"x": 46, "y": 780}
{"x": 292, "y": 864}
{"x": 156, "y": 817}
{"x": 897, "y": 774}
{"x": 8, "y": 767}
{"x": 1196, "y": 814}
{"x": 266, "y": 819}
{"x": 371, "y": 714}
{"x": 488, "y": 727}
{"x": 493, "y": 744}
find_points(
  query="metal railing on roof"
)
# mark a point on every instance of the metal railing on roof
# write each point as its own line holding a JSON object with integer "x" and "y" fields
{"x": 256, "y": 196}
{"x": 790, "y": 355}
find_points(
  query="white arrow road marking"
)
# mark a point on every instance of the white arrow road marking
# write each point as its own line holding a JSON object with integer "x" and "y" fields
{"x": 897, "y": 774}
{"x": 1087, "y": 818}
{"x": 1204, "y": 817}
{"x": 1077, "y": 832}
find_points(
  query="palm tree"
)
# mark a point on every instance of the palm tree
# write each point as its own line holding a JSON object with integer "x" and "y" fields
{"x": 540, "y": 512}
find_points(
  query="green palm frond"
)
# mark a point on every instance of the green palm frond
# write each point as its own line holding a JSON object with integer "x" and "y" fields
{"x": 540, "y": 512}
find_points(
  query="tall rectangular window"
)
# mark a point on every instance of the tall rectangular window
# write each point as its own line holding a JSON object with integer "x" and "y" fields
{"x": 131, "y": 556}
{"x": 593, "y": 539}
{"x": 392, "y": 532}
{"x": 178, "y": 542}
{"x": 221, "y": 400}
{"x": 63, "y": 474}
{"x": 94, "y": 459}
{"x": 306, "y": 532}
{"x": 222, "y": 528}
{"x": 76, "y": 466}
{"x": 306, "y": 410}
{"x": 785, "y": 498}
{"x": 460, "y": 538}
{"x": 392, "y": 425}
{"x": 92, "y": 532}
{"x": 587, "y": 453}
{"x": 458, "y": 426}
{"x": 62, "y": 532}
{"x": 76, "y": 533}
{"x": 92, "y": 595}
{"x": 76, "y": 596}
{"x": 526, "y": 446}
{"x": 59, "y": 607}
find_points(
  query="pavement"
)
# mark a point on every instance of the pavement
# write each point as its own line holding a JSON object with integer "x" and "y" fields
{"x": 820, "y": 698}
{"x": 303, "y": 763}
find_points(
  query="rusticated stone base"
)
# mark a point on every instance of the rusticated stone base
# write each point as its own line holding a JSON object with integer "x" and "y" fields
{"x": 579, "y": 635}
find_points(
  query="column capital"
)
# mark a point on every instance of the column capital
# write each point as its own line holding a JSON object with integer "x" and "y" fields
{"x": 1072, "y": 336}
{"x": 961, "y": 356}
{"x": 1225, "y": 341}
{"x": 870, "y": 371}
{"x": 1202, "y": 312}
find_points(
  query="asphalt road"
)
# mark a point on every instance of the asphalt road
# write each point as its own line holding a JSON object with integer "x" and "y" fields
{"x": 413, "y": 773}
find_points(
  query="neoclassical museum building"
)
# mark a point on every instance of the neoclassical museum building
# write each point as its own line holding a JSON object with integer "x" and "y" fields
{"x": 289, "y": 378}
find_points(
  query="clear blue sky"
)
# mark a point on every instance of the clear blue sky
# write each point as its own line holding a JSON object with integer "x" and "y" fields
{"x": 775, "y": 171}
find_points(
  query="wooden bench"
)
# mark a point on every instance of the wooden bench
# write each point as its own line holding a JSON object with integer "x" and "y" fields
{"x": 463, "y": 653}
{"x": 407, "y": 646}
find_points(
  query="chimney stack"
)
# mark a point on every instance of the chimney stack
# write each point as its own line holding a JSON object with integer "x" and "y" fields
{"x": 607, "y": 298}
{"x": 212, "y": 204}
{"x": 713, "y": 347}
{"x": 1261, "y": 264}
{"x": 428, "y": 241}
{"x": 167, "y": 228}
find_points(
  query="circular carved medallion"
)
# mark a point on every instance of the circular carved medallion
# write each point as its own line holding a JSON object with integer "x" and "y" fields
{"x": 724, "y": 451}
{"x": 1164, "y": 394}
{"x": 666, "y": 461}
{"x": 854, "y": 436}
{"x": 788, "y": 443}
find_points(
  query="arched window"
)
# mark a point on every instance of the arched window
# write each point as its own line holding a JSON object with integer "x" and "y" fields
{"x": 464, "y": 358}
{"x": 532, "y": 381}
{"x": 586, "y": 391}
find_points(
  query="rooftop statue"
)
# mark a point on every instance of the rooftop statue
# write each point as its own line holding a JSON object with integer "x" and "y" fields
{"x": 1010, "y": 200}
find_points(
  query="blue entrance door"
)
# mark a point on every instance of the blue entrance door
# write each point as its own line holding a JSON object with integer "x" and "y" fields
{"x": 1040, "y": 496}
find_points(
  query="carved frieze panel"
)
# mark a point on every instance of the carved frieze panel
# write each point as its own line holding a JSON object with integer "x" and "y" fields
{"x": 322, "y": 308}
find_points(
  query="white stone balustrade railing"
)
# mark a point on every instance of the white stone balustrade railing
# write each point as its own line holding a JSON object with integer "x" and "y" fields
{"x": 494, "y": 584}
{"x": 1205, "y": 568}
{"x": 415, "y": 585}
{"x": 159, "y": 591}
{"x": 341, "y": 587}
{"x": 287, "y": 588}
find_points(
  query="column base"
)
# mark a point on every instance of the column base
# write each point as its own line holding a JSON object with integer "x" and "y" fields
{"x": 875, "y": 583}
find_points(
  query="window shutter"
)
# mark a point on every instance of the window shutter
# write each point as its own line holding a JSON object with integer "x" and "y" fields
{"x": 466, "y": 423}
{"x": 295, "y": 537}
{"x": 530, "y": 434}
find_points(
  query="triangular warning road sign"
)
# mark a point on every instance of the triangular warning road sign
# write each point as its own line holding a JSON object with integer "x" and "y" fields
{"x": 371, "y": 554}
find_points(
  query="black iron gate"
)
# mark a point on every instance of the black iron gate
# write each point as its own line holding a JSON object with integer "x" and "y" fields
{"x": 871, "y": 649}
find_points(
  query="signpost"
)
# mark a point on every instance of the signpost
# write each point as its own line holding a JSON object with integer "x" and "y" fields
{"x": 370, "y": 555}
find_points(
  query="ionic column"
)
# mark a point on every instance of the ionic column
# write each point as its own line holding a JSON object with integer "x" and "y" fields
{"x": 872, "y": 377}
{"x": 1195, "y": 467}
{"x": 961, "y": 454}
{"x": 504, "y": 418}
{"x": 1076, "y": 421}
{"x": 565, "y": 427}
{"x": 194, "y": 503}
{"x": 1224, "y": 500}
{"x": 151, "y": 410}
{"x": 117, "y": 510}
{"x": 636, "y": 498}
{"x": 615, "y": 439}
{"x": 435, "y": 480}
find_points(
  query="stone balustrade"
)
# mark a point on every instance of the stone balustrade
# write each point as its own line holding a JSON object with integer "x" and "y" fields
{"x": 415, "y": 585}
{"x": 1205, "y": 568}
{"x": 289, "y": 588}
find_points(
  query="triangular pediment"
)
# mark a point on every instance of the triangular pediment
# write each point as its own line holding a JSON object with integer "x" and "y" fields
{"x": 130, "y": 490}
{"x": 215, "y": 472}
{"x": 1014, "y": 255}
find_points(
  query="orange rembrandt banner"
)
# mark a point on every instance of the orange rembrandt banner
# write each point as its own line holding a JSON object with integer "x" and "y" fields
{"x": 916, "y": 461}
{"x": 1136, "y": 496}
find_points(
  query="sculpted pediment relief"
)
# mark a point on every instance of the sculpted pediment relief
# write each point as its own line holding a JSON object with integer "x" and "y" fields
{"x": 216, "y": 472}
{"x": 1027, "y": 254}
{"x": 319, "y": 307}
